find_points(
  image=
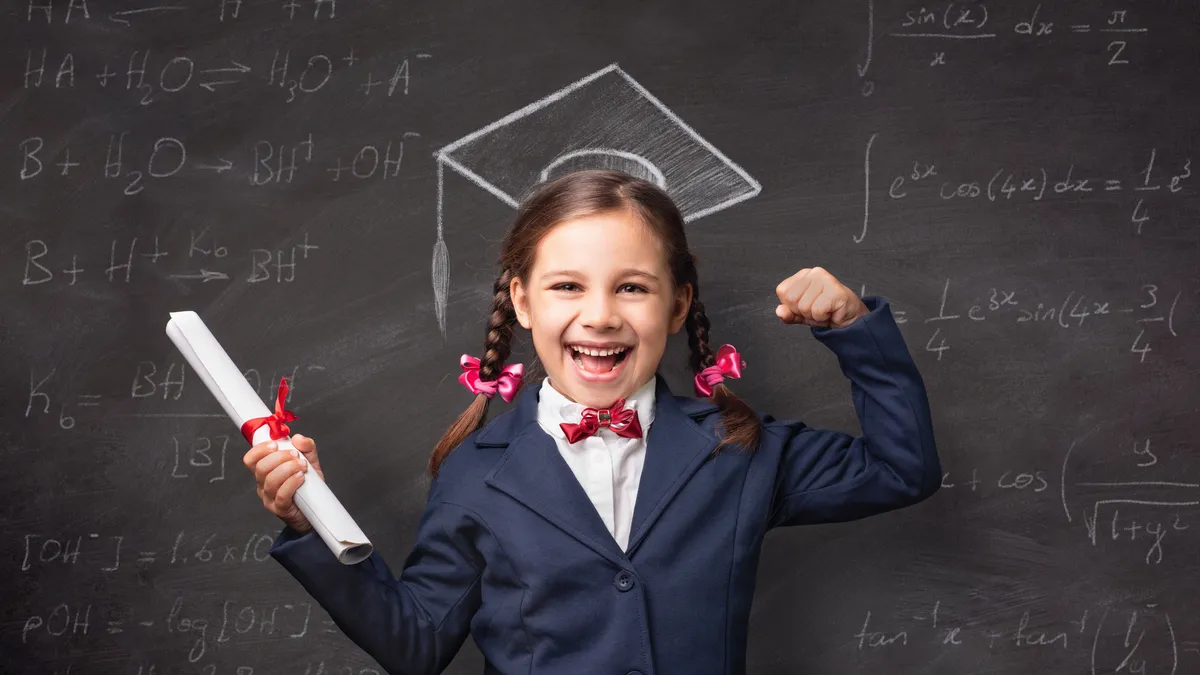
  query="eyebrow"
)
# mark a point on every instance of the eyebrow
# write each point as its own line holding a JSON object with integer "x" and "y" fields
{"x": 628, "y": 272}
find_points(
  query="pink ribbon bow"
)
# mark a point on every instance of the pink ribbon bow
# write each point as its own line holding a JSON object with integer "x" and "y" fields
{"x": 276, "y": 421}
{"x": 506, "y": 383}
{"x": 623, "y": 422}
{"x": 729, "y": 363}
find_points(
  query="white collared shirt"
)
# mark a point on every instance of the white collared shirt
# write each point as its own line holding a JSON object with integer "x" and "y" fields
{"x": 608, "y": 466}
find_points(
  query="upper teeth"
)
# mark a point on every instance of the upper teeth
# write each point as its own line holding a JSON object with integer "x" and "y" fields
{"x": 598, "y": 352}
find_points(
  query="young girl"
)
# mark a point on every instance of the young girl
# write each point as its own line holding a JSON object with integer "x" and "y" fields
{"x": 603, "y": 524}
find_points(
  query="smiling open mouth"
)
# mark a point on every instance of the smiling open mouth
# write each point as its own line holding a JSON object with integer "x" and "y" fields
{"x": 598, "y": 361}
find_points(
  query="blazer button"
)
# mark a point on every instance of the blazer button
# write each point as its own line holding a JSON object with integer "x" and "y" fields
{"x": 624, "y": 581}
{"x": 634, "y": 672}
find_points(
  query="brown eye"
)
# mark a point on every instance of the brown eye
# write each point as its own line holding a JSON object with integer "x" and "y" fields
{"x": 561, "y": 287}
{"x": 635, "y": 287}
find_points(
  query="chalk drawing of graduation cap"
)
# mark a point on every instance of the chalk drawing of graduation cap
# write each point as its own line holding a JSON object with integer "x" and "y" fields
{"x": 605, "y": 120}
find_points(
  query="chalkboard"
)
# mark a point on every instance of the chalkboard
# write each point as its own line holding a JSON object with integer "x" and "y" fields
{"x": 326, "y": 184}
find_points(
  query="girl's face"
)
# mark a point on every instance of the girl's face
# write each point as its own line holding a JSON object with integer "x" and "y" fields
{"x": 600, "y": 304}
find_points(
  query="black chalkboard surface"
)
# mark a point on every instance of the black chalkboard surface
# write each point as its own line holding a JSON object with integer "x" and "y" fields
{"x": 326, "y": 183}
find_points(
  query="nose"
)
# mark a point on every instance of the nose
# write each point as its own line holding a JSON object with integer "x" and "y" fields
{"x": 600, "y": 312}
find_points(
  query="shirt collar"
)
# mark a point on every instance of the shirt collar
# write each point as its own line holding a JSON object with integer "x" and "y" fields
{"x": 553, "y": 408}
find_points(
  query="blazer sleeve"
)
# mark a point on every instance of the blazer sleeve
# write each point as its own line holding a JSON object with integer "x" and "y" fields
{"x": 829, "y": 476}
{"x": 414, "y": 624}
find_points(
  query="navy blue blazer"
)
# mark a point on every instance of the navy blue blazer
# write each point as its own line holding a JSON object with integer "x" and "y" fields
{"x": 511, "y": 550}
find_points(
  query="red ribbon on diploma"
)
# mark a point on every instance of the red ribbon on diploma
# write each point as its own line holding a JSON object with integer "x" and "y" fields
{"x": 276, "y": 421}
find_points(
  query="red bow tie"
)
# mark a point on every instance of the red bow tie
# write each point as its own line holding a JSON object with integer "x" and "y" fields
{"x": 623, "y": 422}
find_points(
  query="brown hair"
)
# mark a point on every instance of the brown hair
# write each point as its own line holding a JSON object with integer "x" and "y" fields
{"x": 577, "y": 195}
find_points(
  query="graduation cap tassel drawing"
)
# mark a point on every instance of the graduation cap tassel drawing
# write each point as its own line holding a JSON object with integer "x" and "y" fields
{"x": 605, "y": 120}
{"x": 441, "y": 261}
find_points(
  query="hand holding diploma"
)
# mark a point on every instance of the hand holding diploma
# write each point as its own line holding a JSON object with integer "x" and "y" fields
{"x": 301, "y": 500}
{"x": 279, "y": 473}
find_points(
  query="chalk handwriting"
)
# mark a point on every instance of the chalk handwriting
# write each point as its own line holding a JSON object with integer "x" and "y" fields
{"x": 1035, "y": 184}
{"x": 95, "y": 552}
{"x": 137, "y": 259}
{"x": 151, "y": 380}
{"x": 1141, "y": 639}
{"x": 63, "y": 12}
{"x": 1146, "y": 307}
{"x": 1102, "y": 31}
{"x": 136, "y": 166}
{"x": 154, "y": 78}
{"x": 1154, "y": 508}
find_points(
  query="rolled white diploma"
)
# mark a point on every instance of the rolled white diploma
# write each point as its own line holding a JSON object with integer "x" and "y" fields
{"x": 227, "y": 384}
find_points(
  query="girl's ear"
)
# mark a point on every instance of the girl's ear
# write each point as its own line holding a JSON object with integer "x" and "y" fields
{"x": 516, "y": 292}
{"x": 681, "y": 308}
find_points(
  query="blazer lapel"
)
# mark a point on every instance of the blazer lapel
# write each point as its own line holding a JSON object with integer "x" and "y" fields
{"x": 675, "y": 448}
{"x": 534, "y": 473}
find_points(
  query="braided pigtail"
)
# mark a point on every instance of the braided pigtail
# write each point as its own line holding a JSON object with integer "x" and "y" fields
{"x": 739, "y": 424}
{"x": 497, "y": 348}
